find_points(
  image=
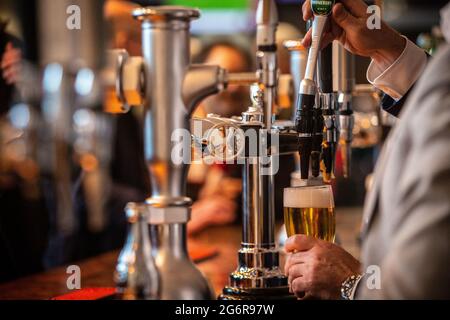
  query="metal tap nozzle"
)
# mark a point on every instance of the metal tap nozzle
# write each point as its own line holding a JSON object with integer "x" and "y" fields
{"x": 331, "y": 135}
{"x": 328, "y": 105}
{"x": 343, "y": 83}
{"x": 347, "y": 122}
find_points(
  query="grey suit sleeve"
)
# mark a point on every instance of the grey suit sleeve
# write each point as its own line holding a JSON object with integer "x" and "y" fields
{"x": 417, "y": 262}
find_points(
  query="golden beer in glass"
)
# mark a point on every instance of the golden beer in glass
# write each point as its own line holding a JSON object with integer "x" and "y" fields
{"x": 309, "y": 210}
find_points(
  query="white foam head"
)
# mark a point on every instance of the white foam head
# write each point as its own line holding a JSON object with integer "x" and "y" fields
{"x": 309, "y": 197}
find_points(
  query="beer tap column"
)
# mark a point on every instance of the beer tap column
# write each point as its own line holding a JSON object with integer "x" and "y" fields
{"x": 343, "y": 83}
{"x": 258, "y": 275}
{"x": 304, "y": 120}
{"x": 329, "y": 109}
{"x": 267, "y": 22}
{"x": 173, "y": 89}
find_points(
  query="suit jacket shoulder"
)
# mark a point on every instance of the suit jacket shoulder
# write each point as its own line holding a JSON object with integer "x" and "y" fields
{"x": 409, "y": 234}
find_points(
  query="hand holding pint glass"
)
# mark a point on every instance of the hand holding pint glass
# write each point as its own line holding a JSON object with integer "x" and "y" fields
{"x": 309, "y": 210}
{"x": 315, "y": 266}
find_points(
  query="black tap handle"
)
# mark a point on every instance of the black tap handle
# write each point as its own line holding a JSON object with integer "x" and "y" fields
{"x": 304, "y": 113}
{"x": 304, "y": 124}
{"x": 325, "y": 69}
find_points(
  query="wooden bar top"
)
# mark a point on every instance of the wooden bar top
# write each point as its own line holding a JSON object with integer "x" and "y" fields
{"x": 98, "y": 271}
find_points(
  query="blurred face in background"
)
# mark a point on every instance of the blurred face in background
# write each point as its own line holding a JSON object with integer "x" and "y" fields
{"x": 234, "y": 100}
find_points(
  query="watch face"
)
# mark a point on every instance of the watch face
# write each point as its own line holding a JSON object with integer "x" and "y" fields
{"x": 322, "y": 7}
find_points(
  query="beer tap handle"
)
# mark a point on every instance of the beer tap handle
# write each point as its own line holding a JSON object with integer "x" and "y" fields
{"x": 307, "y": 94}
{"x": 328, "y": 102}
{"x": 267, "y": 22}
{"x": 325, "y": 69}
{"x": 343, "y": 83}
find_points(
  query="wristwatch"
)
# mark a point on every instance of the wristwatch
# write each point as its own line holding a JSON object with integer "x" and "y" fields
{"x": 348, "y": 287}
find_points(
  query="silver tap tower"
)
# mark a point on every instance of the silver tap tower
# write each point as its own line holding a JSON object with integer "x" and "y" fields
{"x": 173, "y": 89}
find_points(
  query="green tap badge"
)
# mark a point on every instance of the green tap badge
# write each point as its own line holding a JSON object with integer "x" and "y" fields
{"x": 322, "y": 7}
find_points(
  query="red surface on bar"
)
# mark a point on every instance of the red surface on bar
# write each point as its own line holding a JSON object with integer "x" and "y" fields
{"x": 87, "y": 294}
{"x": 196, "y": 252}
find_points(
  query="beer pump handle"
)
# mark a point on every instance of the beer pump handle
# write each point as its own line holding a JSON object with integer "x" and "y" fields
{"x": 329, "y": 112}
{"x": 267, "y": 22}
{"x": 304, "y": 119}
{"x": 344, "y": 82}
{"x": 325, "y": 69}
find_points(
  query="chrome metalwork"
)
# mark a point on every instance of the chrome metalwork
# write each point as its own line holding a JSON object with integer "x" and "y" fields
{"x": 174, "y": 88}
{"x": 298, "y": 59}
{"x": 344, "y": 83}
{"x": 136, "y": 274}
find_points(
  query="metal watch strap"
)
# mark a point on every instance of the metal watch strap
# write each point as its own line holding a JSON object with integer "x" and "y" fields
{"x": 348, "y": 287}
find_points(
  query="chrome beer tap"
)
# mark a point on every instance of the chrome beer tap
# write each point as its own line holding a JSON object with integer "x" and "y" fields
{"x": 330, "y": 117}
{"x": 258, "y": 275}
{"x": 305, "y": 122}
{"x": 173, "y": 89}
{"x": 343, "y": 84}
{"x": 267, "y": 68}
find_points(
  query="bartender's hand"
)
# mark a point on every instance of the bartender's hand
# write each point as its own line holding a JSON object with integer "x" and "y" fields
{"x": 349, "y": 27}
{"x": 316, "y": 268}
{"x": 11, "y": 63}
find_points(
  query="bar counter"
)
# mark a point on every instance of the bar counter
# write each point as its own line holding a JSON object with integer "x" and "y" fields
{"x": 98, "y": 272}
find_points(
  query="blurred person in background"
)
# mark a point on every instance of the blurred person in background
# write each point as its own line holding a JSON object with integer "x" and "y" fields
{"x": 10, "y": 57}
{"x": 23, "y": 217}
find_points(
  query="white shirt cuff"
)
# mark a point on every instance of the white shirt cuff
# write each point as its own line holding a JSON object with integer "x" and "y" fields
{"x": 398, "y": 78}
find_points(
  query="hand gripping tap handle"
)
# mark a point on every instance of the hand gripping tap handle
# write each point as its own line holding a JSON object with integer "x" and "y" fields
{"x": 307, "y": 93}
